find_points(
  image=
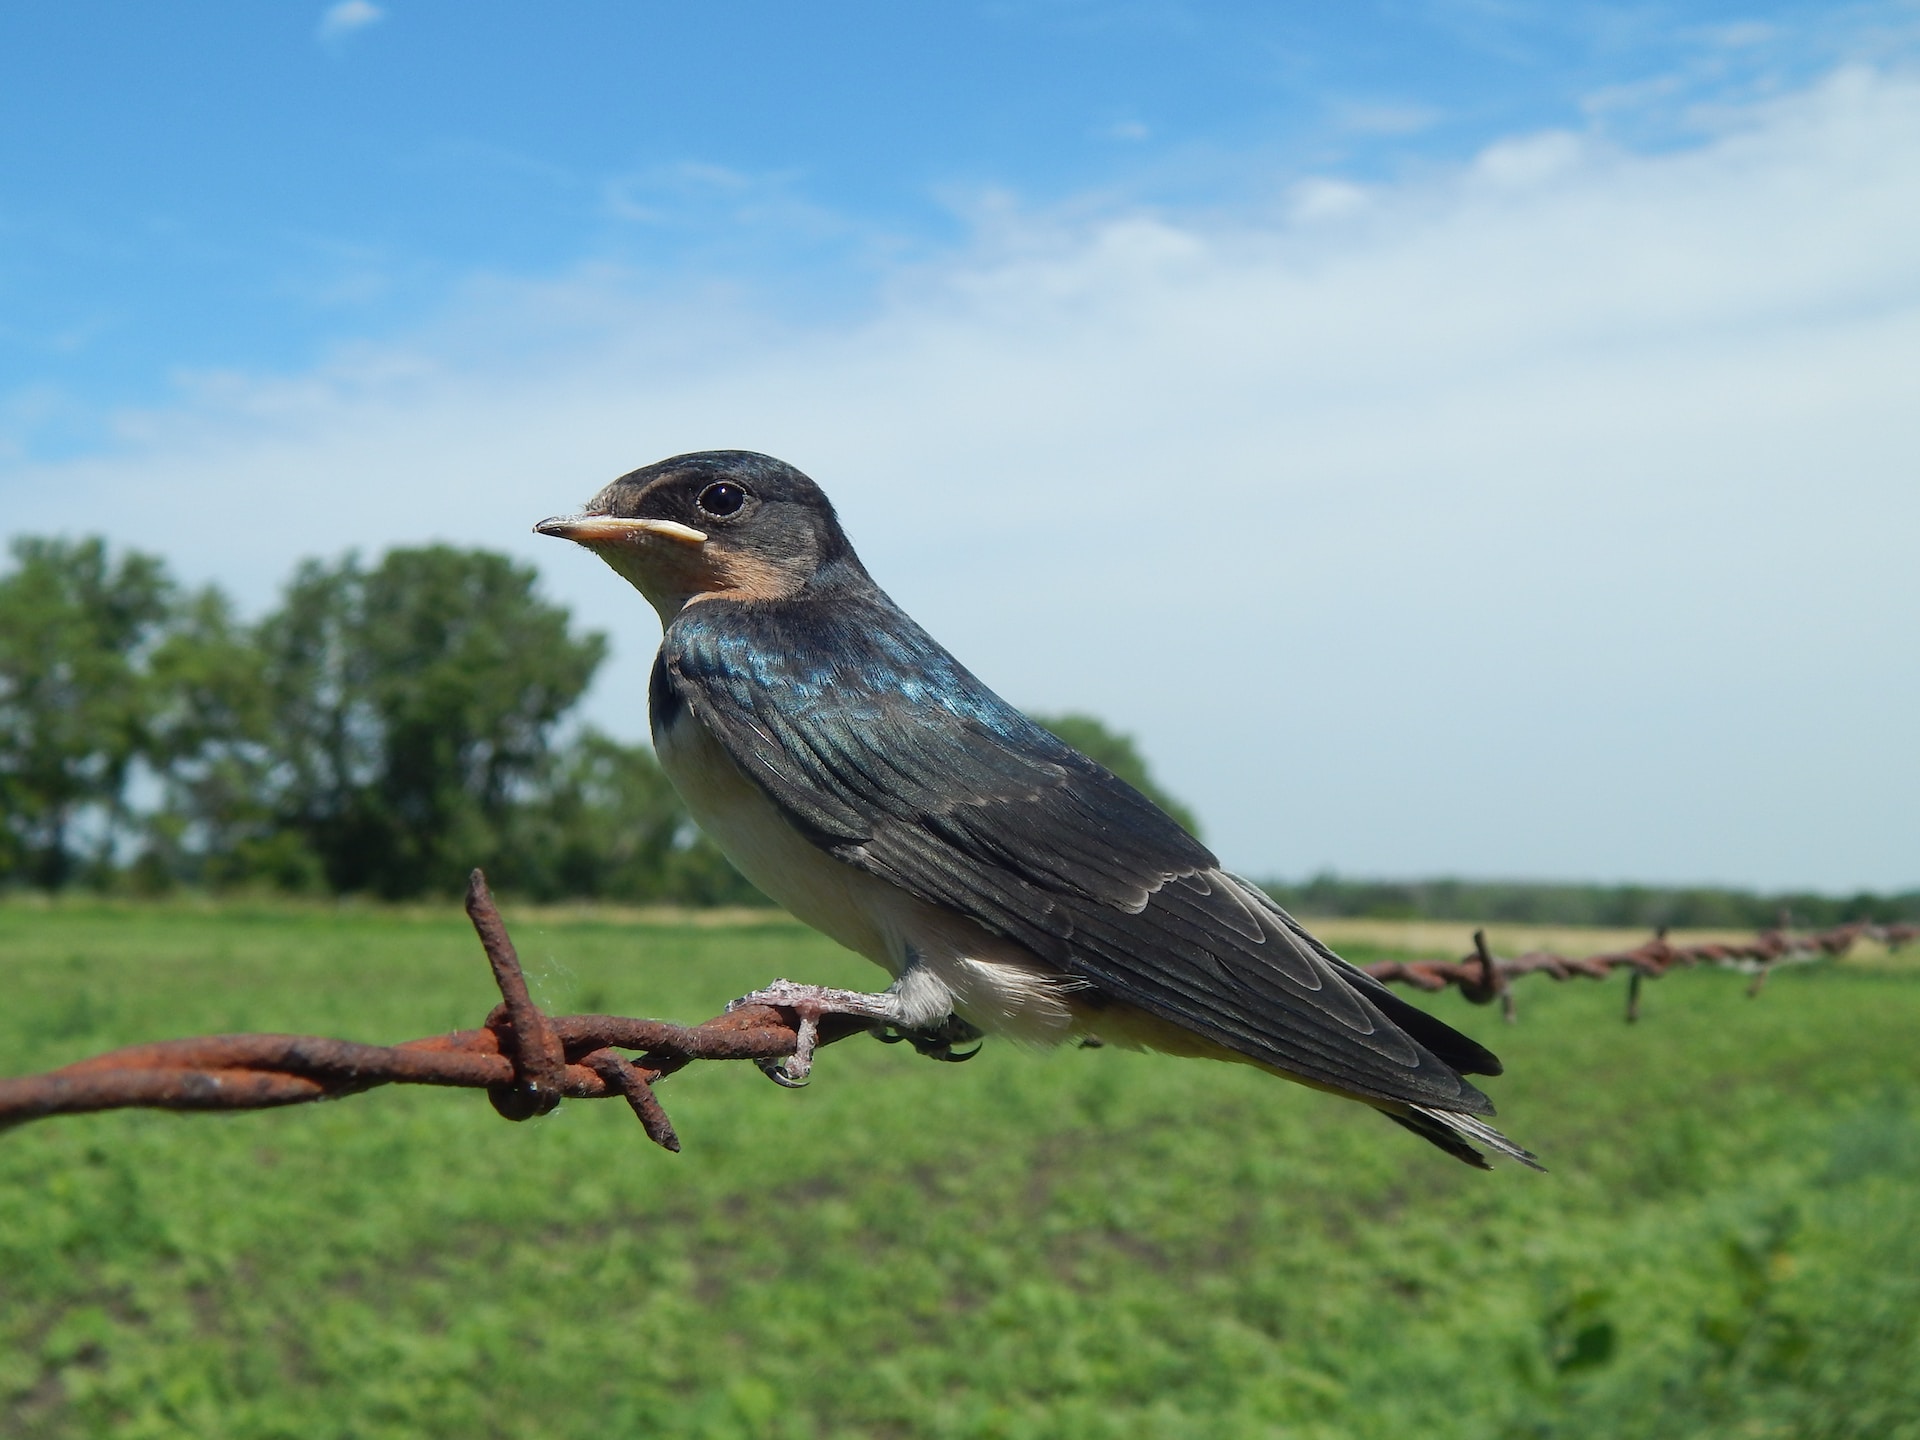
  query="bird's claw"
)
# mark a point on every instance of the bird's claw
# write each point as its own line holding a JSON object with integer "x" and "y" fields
{"x": 807, "y": 1003}
{"x": 936, "y": 1042}
{"x": 791, "y": 1072}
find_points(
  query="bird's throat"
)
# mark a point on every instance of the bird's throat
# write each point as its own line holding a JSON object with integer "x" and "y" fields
{"x": 674, "y": 578}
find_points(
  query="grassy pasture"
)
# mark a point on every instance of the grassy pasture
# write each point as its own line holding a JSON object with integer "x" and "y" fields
{"x": 1084, "y": 1244}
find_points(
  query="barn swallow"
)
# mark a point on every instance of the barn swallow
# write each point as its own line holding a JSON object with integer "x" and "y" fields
{"x": 860, "y": 776}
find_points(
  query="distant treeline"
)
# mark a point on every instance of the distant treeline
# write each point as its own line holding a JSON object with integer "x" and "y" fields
{"x": 1633, "y": 907}
{"x": 383, "y": 730}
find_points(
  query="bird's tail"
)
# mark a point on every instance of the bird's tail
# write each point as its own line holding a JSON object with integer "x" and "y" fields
{"x": 1451, "y": 1131}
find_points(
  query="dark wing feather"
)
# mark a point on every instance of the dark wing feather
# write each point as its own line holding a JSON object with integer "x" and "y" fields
{"x": 883, "y": 750}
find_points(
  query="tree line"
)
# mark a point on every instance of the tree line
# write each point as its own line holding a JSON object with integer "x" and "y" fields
{"x": 384, "y": 729}
{"x": 1625, "y": 907}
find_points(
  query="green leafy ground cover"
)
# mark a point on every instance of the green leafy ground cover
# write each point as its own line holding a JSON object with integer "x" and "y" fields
{"x": 1077, "y": 1244}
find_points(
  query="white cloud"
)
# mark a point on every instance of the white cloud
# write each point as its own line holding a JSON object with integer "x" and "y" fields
{"x": 695, "y": 196}
{"x": 1386, "y": 118}
{"x": 348, "y": 16}
{"x": 1319, "y": 198}
{"x": 1553, "y": 517}
{"x": 1531, "y": 160}
{"x": 1741, "y": 34}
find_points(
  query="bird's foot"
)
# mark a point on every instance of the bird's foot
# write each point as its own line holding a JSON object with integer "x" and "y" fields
{"x": 809, "y": 1004}
{"x": 936, "y": 1042}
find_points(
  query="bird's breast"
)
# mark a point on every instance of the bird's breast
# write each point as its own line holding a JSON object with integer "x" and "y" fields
{"x": 826, "y": 893}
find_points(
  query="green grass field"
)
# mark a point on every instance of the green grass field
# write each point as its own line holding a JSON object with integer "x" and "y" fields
{"x": 1088, "y": 1243}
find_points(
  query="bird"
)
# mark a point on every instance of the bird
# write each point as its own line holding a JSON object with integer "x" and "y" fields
{"x": 860, "y": 776}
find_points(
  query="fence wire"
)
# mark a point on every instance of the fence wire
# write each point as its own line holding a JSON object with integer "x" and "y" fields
{"x": 527, "y": 1060}
{"x": 1482, "y": 977}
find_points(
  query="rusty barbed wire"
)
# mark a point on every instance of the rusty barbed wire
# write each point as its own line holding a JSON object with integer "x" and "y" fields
{"x": 527, "y": 1060}
{"x": 524, "y": 1059}
{"x": 1482, "y": 977}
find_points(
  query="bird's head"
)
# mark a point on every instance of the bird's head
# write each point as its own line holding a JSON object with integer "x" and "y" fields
{"x": 719, "y": 524}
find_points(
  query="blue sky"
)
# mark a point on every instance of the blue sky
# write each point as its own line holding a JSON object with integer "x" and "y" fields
{"x": 241, "y": 185}
{"x": 1372, "y": 406}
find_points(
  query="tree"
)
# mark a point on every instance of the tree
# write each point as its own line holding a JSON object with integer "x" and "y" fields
{"x": 1118, "y": 753}
{"x": 606, "y": 823}
{"x": 76, "y": 629}
{"x": 411, "y": 707}
{"x": 212, "y": 741}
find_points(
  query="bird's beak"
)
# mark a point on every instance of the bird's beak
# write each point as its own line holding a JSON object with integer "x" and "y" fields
{"x": 612, "y": 530}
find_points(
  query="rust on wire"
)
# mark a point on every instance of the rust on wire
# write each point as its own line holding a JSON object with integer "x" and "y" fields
{"x": 1480, "y": 977}
{"x": 527, "y": 1060}
{"x": 521, "y": 1029}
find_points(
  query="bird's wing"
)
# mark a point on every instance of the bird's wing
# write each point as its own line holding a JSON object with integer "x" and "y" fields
{"x": 882, "y": 749}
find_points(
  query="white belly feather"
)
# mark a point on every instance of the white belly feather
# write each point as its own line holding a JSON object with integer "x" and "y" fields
{"x": 996, "y": 984}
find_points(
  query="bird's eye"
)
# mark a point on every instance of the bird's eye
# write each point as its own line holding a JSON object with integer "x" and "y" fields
{"x": 722, "y": 498}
